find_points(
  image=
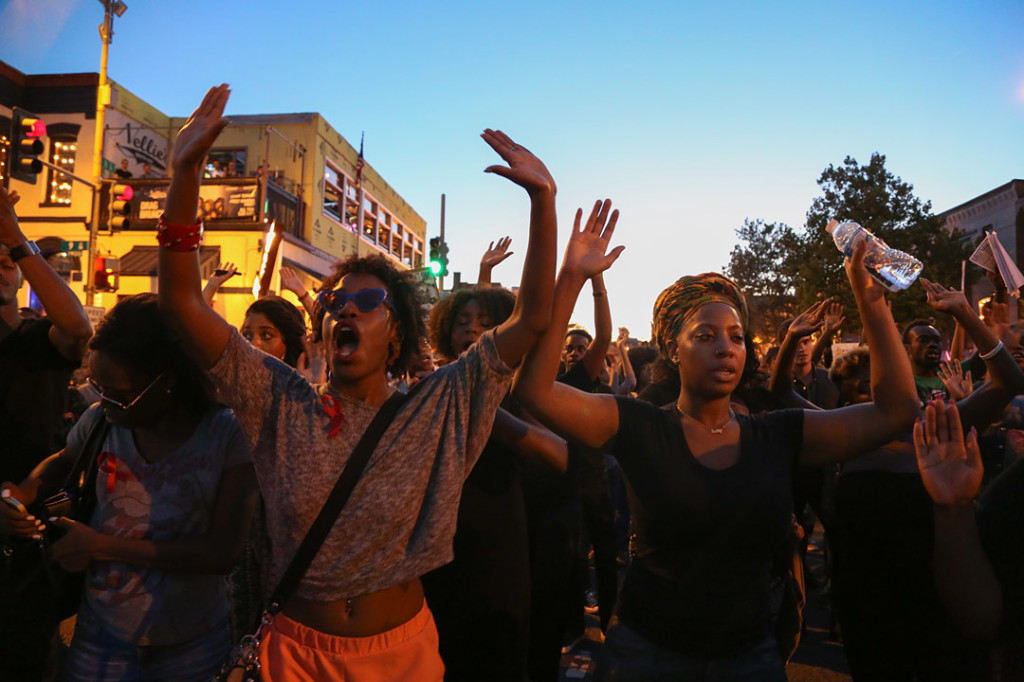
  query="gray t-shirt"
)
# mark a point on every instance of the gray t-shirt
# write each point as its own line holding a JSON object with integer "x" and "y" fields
{"x": 400, "y": 520}
{"x": 170, "y": 499}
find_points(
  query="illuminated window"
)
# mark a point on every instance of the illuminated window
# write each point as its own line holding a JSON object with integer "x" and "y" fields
{"x": 62, "y": 155}
{"x": 333, "y": 181}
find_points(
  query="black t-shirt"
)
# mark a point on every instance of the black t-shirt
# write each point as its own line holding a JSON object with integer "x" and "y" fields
{"x": 1001, "y": 527}
{"x": 700, "y": 583}
{"x": 33, "y": 393}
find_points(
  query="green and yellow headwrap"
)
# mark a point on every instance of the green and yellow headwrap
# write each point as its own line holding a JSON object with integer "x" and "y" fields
{"x": 680, "y": 301}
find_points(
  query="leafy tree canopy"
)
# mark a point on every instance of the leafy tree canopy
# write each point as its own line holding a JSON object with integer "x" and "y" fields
{"x": 807, "y": 263}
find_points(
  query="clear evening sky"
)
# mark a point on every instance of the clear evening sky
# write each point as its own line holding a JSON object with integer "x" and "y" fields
{"x": 691, "y": 116}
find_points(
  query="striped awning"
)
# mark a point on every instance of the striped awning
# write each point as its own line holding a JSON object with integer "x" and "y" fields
{"x": 141, "y": 261}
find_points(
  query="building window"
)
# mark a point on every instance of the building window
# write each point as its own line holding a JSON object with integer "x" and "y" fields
{"x": 62, "y": 155}
{"x": 333, "y": 181}
{"x": 225, "y": 163}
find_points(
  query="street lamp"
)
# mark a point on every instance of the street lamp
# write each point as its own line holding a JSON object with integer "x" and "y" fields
{"x": 110, "y": 9}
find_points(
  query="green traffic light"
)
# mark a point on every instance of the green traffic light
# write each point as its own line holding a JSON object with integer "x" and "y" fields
{"x": 435, "y": 267}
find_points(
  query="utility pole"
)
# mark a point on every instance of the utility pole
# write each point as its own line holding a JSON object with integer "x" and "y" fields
{"x": 110, "y": 8}
{"x": 440, "y": 279}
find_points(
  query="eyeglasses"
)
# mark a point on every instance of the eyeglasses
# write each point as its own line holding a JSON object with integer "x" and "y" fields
{"x": 366, "y": 300}
{"x": 117, "y": 403}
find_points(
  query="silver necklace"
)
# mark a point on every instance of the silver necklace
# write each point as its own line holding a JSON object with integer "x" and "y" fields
{"x": 717, "y": 430}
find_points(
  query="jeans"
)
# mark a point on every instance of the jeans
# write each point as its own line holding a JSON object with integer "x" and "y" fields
{"x": 96, "y": 655}
{"x": 629, "y": 656}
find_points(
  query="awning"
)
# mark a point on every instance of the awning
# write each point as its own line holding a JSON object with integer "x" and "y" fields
{"x": 141, "y": 261}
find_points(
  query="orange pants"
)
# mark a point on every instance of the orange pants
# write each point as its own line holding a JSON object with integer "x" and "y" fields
{"x": 292, "y": 652}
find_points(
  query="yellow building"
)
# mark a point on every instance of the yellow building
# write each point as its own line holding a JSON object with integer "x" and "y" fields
{"x": 309, "y": 193}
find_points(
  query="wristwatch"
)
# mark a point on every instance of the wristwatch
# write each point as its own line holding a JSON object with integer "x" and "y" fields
{"x": 20, "y": 251}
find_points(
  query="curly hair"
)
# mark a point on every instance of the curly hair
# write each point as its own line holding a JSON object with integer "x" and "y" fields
{"x": 497, "y": 304}
{"x": 135, "y": 335}
{"x": 405, "y": 298}
{"x": 288, "y": 320}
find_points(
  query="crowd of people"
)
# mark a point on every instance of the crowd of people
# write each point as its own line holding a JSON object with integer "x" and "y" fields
{"x": 517, "y": 470}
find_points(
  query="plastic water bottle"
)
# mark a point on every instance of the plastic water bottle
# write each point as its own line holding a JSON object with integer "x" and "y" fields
{"x": 894, "y": 269}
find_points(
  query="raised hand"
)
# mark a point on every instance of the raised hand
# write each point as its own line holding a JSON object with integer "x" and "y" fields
{"x": 860, "y": 280}
{"x": 229, "y": 269}
{"x": 496, "y": 254}
{"x": 586, "y": 251}
{"x": 950, "y": 465}
{"x": 10, "y": 232}
{"x": 810, "y": 320}
{"x": 524, "y": 169}
{"x": 945, "y": 300}
{"x": 956, "y": 382}
{"x": 833, "y": 318}
{"x": 312, "y": 364}
{"x": 201, "y": 130}
{"x": 623, "y": 336}
{"x": 291, "y": 282}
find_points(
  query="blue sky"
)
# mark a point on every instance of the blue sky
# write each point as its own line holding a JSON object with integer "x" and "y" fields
{"x": 691, "y": 116}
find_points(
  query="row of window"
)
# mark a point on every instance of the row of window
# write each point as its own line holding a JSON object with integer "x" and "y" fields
{"x": 341, "y": 204}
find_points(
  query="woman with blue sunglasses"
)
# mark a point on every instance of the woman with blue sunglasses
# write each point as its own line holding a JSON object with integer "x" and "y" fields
{"x": 359, "y": 612}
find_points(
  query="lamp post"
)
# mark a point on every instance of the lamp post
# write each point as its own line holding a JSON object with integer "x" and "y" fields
{"x": 111, "y": 8}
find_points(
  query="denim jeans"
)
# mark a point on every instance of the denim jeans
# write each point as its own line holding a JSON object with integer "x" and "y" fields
{"x": 629, "y": 657}
{"x": 97, "y": 656}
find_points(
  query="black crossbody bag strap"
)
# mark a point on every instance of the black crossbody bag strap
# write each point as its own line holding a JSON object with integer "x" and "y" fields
{"x": 336, "y": 500}
{"x": 82, "y": 477}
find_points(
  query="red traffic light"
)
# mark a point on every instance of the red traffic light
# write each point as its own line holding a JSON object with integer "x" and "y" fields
{"x": 124, "y": 192}
{"x": 33, "y": 127}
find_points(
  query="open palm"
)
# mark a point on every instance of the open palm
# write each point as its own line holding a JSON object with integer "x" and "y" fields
{"x": 587, "y": 250}
{"x": 202, "y": 128}
{"x": 950, "y": 465}
{"x": 524, "y": 169}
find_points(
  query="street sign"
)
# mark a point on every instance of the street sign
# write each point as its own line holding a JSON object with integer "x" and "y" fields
{"x": 74, "y": 246}
{"x": 95, "y": 313}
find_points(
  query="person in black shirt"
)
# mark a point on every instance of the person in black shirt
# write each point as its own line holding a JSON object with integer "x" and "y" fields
{"x": 37, "y": 357}
{"x": 709, "y": 488}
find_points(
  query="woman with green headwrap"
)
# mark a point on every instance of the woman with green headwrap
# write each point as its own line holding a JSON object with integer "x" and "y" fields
{"x": 709, "y": 488}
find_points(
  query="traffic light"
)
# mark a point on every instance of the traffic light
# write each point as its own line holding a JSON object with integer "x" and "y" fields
{"x": 26, "y": 136}
{"x": 107, "y": 273}
{"x": 119, "y": 206}
{"x": 438, "y": 262}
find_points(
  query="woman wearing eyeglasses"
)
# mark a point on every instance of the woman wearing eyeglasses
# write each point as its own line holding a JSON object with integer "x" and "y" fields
{"x": 709, "y": 488}
{"x": 175, "y": 490}
{"x": 359, "y": 612}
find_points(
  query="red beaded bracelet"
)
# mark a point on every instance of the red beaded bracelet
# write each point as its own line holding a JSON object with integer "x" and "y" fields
{"x": 179, "y": 237}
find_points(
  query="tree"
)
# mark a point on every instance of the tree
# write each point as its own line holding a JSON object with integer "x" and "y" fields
{"x": 761, "y": 265}
{"x": 886, "y": 206}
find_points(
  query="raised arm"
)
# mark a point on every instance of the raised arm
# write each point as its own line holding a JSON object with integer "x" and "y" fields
{"x": 492, "y": 257}
{"x": 180, "y": 281}
{"x": 532, "y": 314}
{"x": 831, "y": 322}
{"x": 628, "y": 375}
{"x": 951, "y": 470}
{"x": 223, "y": 273}
{"x": 71, "y": 329}
{"x": 593, "y": 360}
{"x": 836, "y": 435}
{"x": 781, "y": 383}
{"x": 1006, "y": 380}
{"x": 290, "y": 281}
{"x": 588, "y": 418}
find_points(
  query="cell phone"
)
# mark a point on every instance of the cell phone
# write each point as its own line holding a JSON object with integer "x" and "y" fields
{"x": 220, "y": 273}
{"x": 13, "y": 502}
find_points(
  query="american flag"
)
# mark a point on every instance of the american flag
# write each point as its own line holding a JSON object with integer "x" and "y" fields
{"x": 359, "y": 163}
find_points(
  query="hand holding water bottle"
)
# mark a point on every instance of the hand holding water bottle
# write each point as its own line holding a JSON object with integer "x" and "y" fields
{"x": 893, "y": 268}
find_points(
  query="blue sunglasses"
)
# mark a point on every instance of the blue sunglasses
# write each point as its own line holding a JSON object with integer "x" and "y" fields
{"x": 366, "y": 300}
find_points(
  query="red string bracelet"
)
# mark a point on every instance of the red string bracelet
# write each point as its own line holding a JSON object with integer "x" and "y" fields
{"x": 179, "y": 237}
